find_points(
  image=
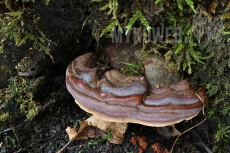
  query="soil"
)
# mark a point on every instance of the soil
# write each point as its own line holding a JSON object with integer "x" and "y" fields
{"x": 61, "y": 22}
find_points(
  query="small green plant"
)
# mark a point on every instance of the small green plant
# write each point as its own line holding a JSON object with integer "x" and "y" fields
{"x": 222, "y": 137}
{"x": 180, "y": 4}
{"x": 107, "y": 136}
{"x": 131, "y": 68}
{"x": 112, "y": 7}
{"x": 223, "y": 132}
{"x": 113, "y": 10}
{"x": 90, "y": 144}
{"x": 133, "y": 19}
{"x": 75, "y": 122}
{"x": 186, "y": 55}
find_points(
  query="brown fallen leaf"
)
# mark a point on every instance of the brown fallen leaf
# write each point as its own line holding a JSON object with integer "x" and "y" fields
{"x": 72, "y": 132}
{"x": 117, "y": 129}
{"x": 82, "y": 133}
{"x": 87, "y": 130}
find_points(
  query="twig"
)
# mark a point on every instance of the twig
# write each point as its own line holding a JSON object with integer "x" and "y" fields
{"x": 16, "y": 137}
{"x": 47, "y": 104}
{"x": 192, "y": 126}
{"x": 82, "y": 126}
{"x": 186, "y": 132}
{"x": 12, "y": 128}
{"x": 62, "y": 149}
{"x": 19, "y": 150}
{"x": 202, "y": 144}
{"x": 41, "y": 108}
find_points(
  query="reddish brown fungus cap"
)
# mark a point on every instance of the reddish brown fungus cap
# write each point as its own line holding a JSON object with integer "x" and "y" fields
{"x": 119, "y": 98}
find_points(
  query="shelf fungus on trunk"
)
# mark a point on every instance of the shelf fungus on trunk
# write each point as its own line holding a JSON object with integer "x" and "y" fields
{"x": 119, "y": 98}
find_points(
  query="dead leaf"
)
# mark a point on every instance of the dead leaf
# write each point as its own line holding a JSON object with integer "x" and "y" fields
{"x": 117, "y": 129}
{"x": 72, "y": 132}
{"x": 80, "y": 134}
{"x": 85, "y": 131}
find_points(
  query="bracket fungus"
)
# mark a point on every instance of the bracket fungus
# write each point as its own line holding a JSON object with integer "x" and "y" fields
{"x": 117, "y": 98}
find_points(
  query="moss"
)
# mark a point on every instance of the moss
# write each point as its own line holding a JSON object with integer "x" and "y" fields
{"x": 17, "y": 100}
{"x": 14, "y": 26}
{"x": 130, "y": 68}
